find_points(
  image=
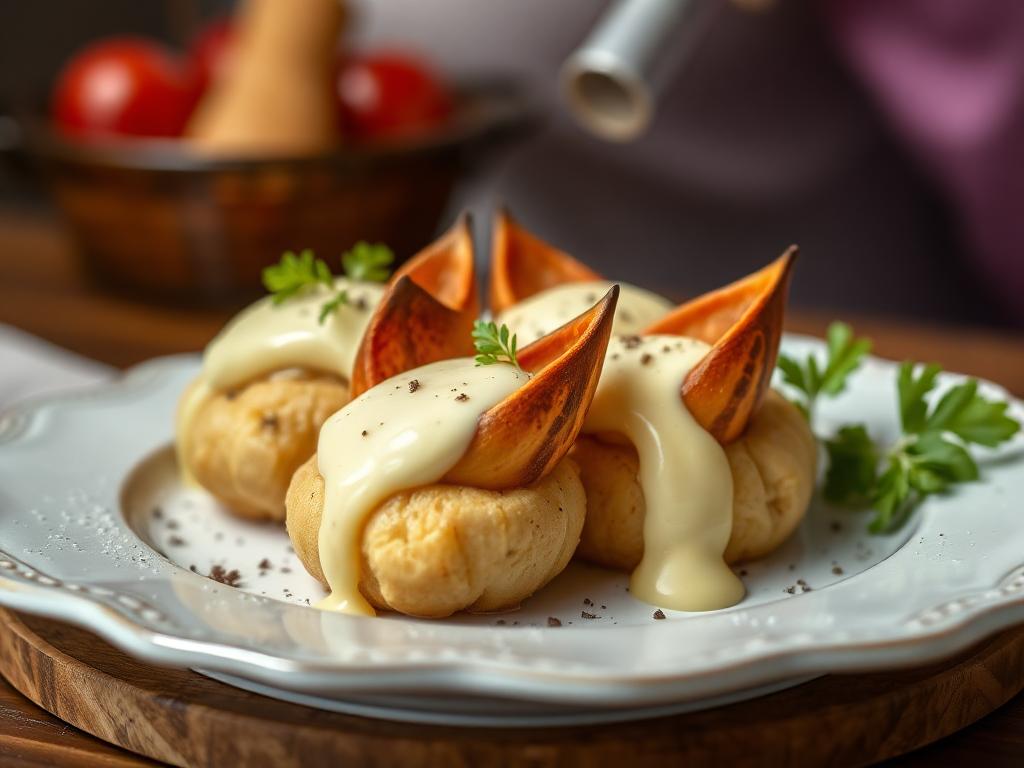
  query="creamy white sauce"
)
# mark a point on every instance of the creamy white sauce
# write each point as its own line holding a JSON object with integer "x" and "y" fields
{"x": 269, "y": 337}
{"x": 265, "y": 338}
{"x": 406, "y": 432}
{"x": 542, "y": 313}
{"x": 684, "y": 473}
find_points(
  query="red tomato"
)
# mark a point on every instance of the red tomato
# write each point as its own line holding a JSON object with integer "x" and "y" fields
{"x": 388, "y": 95}
{"x": 123, "y": 86}
{"x": 210, "y": 54}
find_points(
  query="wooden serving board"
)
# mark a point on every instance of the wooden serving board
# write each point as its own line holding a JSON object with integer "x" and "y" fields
{"x": 183, "y": 718}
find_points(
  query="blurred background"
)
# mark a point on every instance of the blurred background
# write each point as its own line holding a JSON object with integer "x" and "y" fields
{"x": 885, "y": 137}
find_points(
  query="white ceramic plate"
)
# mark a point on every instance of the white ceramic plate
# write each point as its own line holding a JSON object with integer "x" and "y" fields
{"x": 95, "y": 529}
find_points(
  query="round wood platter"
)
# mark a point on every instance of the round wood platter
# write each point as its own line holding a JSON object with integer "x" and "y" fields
{"x": 183, "y": 718}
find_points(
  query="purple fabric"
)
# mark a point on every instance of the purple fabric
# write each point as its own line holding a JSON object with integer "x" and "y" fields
{"x": 949, "y": 75}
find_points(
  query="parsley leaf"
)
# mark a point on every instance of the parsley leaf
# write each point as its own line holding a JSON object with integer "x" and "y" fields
{"x": 853, "y": 466}
{"x": 845, "y": 354}
{"x": 793, "y": 375}
{"x": 890, "y": 500}
{"x": 926, "y": 465}
{"x": 330, "y": 307}
{"x": 932, "y": 453}
{"x": 493, "y": 345}
{"x": 371, "y": 263}
{"x": 364, "y": 262}
{"x": 936, "y": 461}
{"x": 912, "y": 392}
{"x": 294, "y": 273}
{"x": 971, "y": 417}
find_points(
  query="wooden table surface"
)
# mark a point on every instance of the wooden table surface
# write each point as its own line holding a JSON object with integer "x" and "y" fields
{"x": 44, "y": 291}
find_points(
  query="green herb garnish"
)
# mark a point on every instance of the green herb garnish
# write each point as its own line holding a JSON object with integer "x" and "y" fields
{"x": 365, "y": 262}
{"x": 852, "y": 466}
{"x": 371, "y": 263}
{"x": 845, "y": 353}
{"x": 330, "y": 307}
{"x": 493, "y": 345}
{"x": 292, "y": 274}
{"x": 930, "y": 455}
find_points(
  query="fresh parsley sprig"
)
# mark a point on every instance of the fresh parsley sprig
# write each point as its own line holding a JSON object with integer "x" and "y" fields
{"x": 368, "y": 262}
{"x": 493, "y": 344}
{"x": 845, "y": 353}
{"x": 365, "y": 262}
{"x": 853, "y": 460}
{"x": 329, "y": 307}
{"x": 294, "y": 274}
{"x": 929, "y": 457}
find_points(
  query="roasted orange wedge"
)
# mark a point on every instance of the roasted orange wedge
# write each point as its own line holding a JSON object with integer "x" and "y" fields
{"x": 521, "y": 438}
{"x": 447, "y": 269}
{"x": 743, "y": 323}
{"x": 425, "y": 315}
{"x": 522, "y": 264}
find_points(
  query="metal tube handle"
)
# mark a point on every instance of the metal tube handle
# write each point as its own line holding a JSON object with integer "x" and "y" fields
{"x": 611, "y": 81}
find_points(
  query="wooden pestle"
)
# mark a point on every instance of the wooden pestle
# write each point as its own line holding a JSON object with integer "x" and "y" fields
{"x": 278, "y": 97}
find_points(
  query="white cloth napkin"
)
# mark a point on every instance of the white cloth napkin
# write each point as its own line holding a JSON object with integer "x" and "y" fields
{"x": 30, "y": 367}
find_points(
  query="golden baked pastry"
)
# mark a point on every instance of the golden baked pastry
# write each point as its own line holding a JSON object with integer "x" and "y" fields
{"x": 244, "y": 445}
{"x": 444, "y": 548}
{"x": 445, "y": 487}
{"x": 677, "y": 490}
{"x": 278, "y": 370}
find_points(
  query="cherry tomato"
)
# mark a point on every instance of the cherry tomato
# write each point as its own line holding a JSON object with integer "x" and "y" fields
{"x": 389, "y": 95}
{"x": 210, "y": 54}
{"x": 123, "y": 86}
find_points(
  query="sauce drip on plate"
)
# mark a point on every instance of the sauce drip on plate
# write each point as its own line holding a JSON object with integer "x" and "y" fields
{"x": 684, "y": 473}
